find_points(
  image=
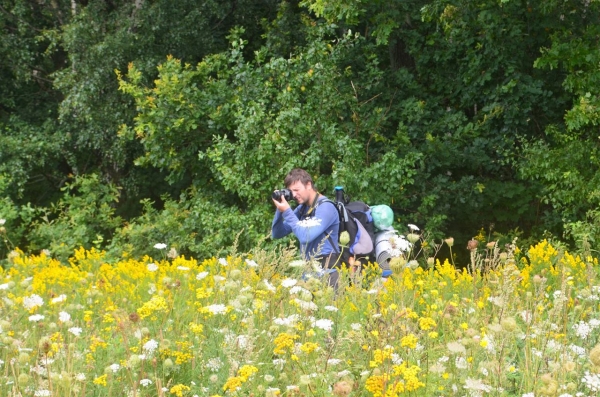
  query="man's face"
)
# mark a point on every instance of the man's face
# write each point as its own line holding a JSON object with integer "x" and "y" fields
{"x": 302, "y": 193}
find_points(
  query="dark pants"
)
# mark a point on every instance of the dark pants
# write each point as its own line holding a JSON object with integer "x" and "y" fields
{"x": 332, "y": 263}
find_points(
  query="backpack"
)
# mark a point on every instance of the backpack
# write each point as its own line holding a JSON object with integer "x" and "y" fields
{"x": 356, "y": 219}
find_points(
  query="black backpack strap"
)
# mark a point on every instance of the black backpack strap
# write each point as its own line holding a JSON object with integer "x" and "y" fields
{"x": 326, "y": 200}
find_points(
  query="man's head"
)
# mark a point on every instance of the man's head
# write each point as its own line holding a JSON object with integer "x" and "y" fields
{"x": 302, "y": 186}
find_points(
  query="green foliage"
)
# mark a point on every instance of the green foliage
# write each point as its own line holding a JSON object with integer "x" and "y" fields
{"x": 461, "y": 115}
{"x": 83, "y": 217}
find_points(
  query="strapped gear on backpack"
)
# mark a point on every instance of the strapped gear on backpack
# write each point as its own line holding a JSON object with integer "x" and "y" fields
{"x": 356, "y": 220}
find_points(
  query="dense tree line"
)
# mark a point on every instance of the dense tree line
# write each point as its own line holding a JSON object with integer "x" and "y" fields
{"x": 126, "y": 123}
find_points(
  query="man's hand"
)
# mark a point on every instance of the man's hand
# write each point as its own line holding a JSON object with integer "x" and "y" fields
{"x": 282, "y": 205}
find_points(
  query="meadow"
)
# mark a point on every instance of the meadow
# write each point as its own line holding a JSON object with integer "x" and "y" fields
{"x": 516, "y": 322}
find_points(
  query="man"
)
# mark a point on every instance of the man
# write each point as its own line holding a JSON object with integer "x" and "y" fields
{"x": 313, "y": 222}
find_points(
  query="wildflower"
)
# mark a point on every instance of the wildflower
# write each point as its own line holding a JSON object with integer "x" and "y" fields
{"x": 201, "y": 275}
{"x": 179, "y": 389}
{"x": 456, "y": 348}
{"x": 114, "y": 368}
{"x": 477, "y": 386}
{"x": 297, "y": 263}
{"x": 2, "y": 222}
{"x": 342, "y": 388}
{"x": 42, "y": 393}
{"x": 75, "y": 331}
{"x": 331, "y": 308}
{"x": 409, "y": 341}
{"x": 333, "y": 361}
{"x": 160, "y": 246}
{"x": 58, "y": 299}
{"x": 36, "y": 317}
{"x": 582, "y": 329}
{"x": 63, "y": 317}
{"x": 80, "y": 377}
{"x": 145, "y": 382}
{"x": 413, "y": 227}
{"x": 223, "y": 262}
{"x": 214, "y": 364}
{"x": 324, "y": 324}
{"x": 150, "y": 346}
{"x": 449, "y": 241}
{"x": 101, "y": 380}
{"x": 172, "y": 254}
{"x": 356, "y": 326}
{"x": 288, "y": 282}
{"x": 32, "y": 302}
{"x": 216, "y": 309}
{"x": 251, "y": 263}
{"x": 152, "y": 267}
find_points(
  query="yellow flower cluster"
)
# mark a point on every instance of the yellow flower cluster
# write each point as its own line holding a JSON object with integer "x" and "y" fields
{"x": 179, "y": 389}
{"x": 155, "y": 304}
{"x": 283, "y": 342}
{"x": 243, "y": 374}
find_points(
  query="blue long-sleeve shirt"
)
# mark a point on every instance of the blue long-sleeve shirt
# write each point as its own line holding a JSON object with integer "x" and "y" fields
{"x": 313, "y": 231}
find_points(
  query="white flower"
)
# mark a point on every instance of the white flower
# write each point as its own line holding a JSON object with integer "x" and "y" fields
{"x": 297, "y": 263}
{"x": 75, "y": 331}
{"x": 114, "y": 367}
{"x": 306, "y": 305}
{"x": 201, "y": 275}
{"x": 150, "y": 346}
{"x": 2, "y": 222}
{"x": 152, "y": 267}
{"x": 36, "y": 317}
{"x": 42, "y": 393}
{"x": 582, "y": 329}
{"x": 160, "y": 246}
{"x": 269, "y": 286}
{"x": 331, "y": 308}
{"x": 33, "y": 301}
{"x": 251, "y": 263}
{"x": 592, "y": 381}
{"x": 60, "y": 298}
{"x": 356, "y": 326}
{"x": 214, "y": 364}
{"x": 324, "y": 324}
{"x": 145, "y": 382}
{"x": 183, "y": 268}
{"x": 218, "y": 278}
{"x": 289, "y": 321}
{"x": 223, "y": 262}
{"x": 63, "y": 317}
{"x": 477, "y": 385}
{"x": 309, "y": 222}
{"x": 288, "y": 282}
{"x": 299, "y": 290}
{"x": 4, "y": 286}
{"x": 413, "y": 227}
{"x": 217, "y": 309}
{"x": 333, "y": 361}
{"x": 531, "y": 394}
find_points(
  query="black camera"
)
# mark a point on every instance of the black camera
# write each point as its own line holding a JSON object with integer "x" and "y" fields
{"x": 287, "y": 193}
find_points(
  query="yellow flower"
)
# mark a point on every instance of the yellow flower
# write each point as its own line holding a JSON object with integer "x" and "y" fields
{"x": 426, "y": 323}
{"x": 284, "y": 341}
{"x": 409, "y": 341}
{"x": 179, "y": 389}
{"x": 101, "y": 380}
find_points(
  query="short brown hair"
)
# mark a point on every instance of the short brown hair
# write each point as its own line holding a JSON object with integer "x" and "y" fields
{"x": 298, "y": 174}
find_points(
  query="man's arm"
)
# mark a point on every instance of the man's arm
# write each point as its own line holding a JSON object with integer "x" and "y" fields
{"x": 309, "y": 229}
{"x": 279, "y": 228}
